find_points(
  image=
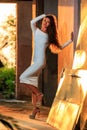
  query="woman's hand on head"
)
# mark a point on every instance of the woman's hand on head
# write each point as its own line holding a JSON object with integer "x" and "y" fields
{"x": 54, "y": 49}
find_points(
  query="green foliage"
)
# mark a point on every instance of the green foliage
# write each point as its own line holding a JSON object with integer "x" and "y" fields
{"x": 7, "y": 82}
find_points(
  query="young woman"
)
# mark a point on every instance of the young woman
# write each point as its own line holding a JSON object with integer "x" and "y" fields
{"x": 43, "y": 37}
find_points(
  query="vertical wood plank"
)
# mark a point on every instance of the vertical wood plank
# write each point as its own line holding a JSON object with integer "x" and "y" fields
{"x": 65, "y": 26}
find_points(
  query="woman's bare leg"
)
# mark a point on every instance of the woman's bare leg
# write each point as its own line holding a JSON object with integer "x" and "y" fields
{"x": 34, "y": 99}
{"x": 36, "y": 95}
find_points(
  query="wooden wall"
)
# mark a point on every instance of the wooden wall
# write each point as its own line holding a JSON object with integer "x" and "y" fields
{"x": 65, "y": 26}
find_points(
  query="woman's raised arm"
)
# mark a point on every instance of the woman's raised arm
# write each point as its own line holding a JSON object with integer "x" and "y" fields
{"x": 33, "y": 21}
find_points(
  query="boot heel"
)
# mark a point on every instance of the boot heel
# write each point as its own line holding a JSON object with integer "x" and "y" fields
{"x": 35, "y": 112}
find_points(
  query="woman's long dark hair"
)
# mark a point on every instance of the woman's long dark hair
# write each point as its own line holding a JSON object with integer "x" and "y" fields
{"x": 52, "y": 30}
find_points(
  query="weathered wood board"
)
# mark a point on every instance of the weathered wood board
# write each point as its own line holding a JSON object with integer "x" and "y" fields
{"x": 68, "y": 101}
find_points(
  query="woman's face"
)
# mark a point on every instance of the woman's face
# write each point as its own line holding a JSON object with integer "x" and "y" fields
{"x": 45, "y": 24}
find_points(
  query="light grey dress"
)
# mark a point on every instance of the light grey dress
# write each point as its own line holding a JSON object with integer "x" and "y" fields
{"x": 31, "y": 74}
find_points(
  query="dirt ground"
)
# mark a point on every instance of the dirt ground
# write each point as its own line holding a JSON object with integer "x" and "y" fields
{"x": 17, "y": 113}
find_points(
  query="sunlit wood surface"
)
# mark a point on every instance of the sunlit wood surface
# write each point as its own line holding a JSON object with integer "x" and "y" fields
{"x": 69, "y": 100}
{"x": 64, "y": 115}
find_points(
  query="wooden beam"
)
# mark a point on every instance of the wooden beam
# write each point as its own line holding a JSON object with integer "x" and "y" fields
{"x": 12, "y": 1}
{"x": 39, "y": 7}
